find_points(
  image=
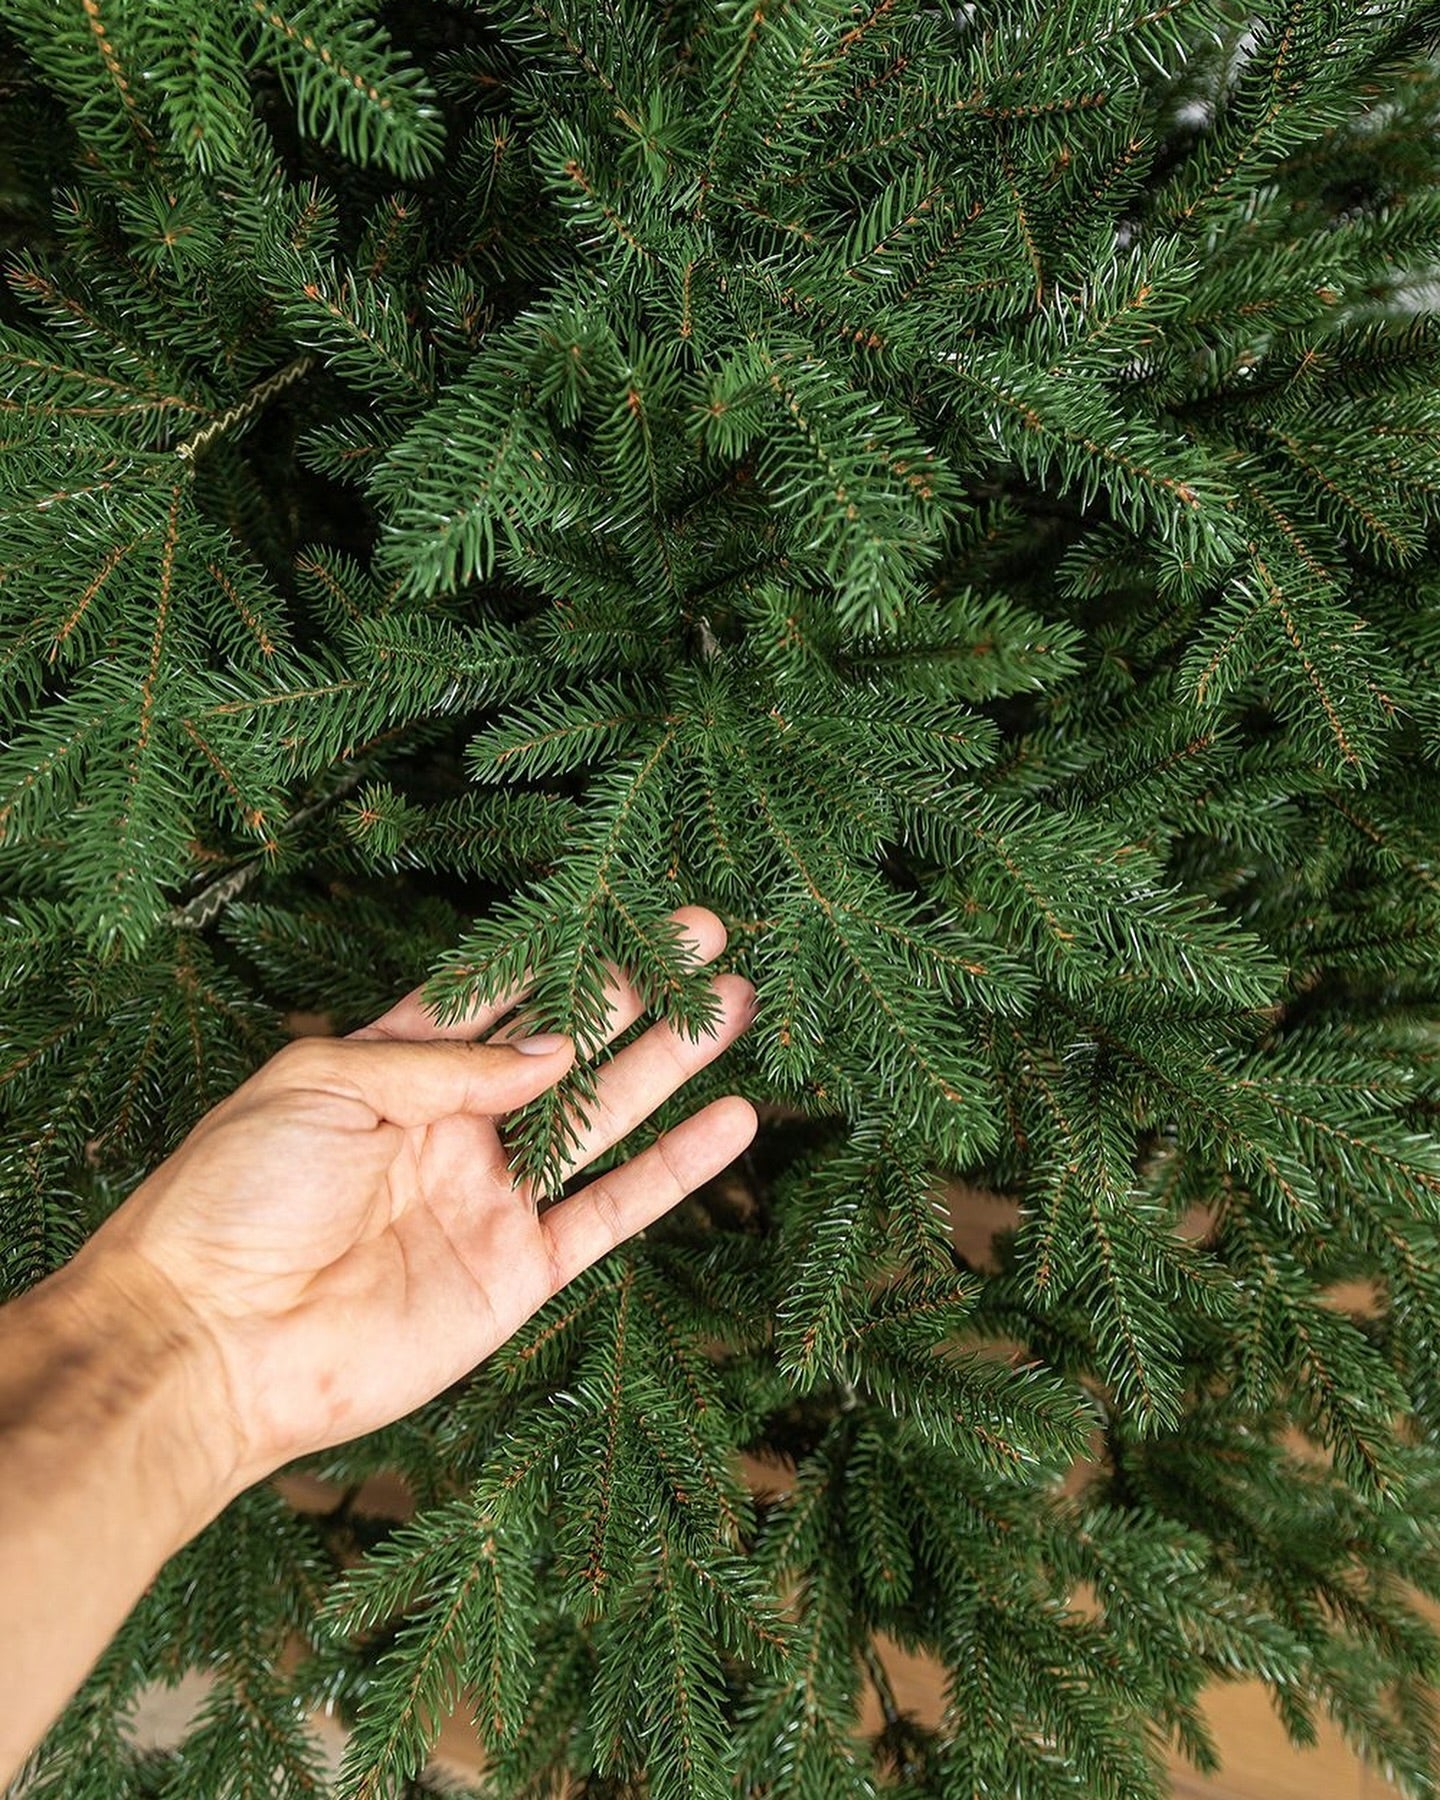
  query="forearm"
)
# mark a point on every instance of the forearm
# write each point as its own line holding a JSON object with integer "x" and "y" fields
{"x": 110, "y": 1460}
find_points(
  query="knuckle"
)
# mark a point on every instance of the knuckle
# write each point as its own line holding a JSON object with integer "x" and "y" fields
{"x": 665, "y": 1154}
{"x": 555, "y": 1275}
{"x": 488, "y": 1068}
{"x": 607, "y": 1210}
{"x": 601, "y": 1123}
{"x": 302, "y": 1059}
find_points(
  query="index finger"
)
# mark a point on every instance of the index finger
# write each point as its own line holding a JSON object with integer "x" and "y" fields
{"x": 408, "y": 1020}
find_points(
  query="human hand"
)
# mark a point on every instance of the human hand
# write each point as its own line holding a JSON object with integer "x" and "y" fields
{"x": 340, "y": 1238}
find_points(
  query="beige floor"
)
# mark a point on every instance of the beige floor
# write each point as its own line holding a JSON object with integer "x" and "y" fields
{"x": 1259, "y": 1761}
{"x": 1260, "y": 1764}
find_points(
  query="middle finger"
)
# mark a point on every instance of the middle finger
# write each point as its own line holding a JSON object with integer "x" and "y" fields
{"x": 631, "y": 1085}
{"x": 703, "y": 936}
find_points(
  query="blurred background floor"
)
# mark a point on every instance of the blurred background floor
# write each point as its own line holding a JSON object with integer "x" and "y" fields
{"x": 1259, "y": 1762}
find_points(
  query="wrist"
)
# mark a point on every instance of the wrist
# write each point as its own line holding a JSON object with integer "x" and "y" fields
{"x": 125, "y": 1359}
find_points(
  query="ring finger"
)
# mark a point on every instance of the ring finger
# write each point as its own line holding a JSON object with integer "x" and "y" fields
{"x": 631, "y": 1085}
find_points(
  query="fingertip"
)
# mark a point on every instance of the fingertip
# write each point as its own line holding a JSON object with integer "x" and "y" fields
{"x": 741, "y": 1117}
{"x": 705, "y": 1144}
{"x": 738, "y": 1005}
{"x": 512, "y": 1074}
{"x": 703, "y": 932}
{"x": 746, "y": 994}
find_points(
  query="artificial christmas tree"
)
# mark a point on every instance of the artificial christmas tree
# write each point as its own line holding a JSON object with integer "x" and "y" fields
{"x": 954, "y": 493}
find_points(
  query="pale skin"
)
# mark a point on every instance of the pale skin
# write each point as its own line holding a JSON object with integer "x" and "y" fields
{"x": 333, "y": 1245}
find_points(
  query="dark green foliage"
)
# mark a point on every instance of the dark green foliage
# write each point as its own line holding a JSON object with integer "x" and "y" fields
{"x": 954, "y": 493}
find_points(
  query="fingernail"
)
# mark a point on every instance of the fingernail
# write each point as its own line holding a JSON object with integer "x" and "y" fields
{"x": 544, "y": 1043}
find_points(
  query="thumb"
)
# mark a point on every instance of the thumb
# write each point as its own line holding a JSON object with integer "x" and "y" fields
{"x": 416, "y": 1081}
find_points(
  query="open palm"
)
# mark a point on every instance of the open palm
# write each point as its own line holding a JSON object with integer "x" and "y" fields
{"x": 343, "y": 1227}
